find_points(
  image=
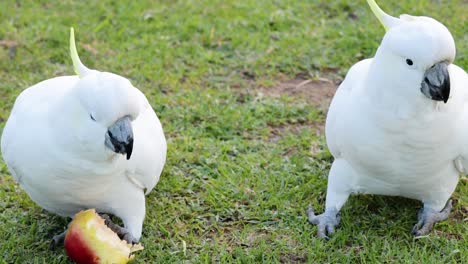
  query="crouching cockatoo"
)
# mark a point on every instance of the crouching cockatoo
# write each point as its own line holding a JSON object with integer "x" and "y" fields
{"x": 86, "y": 141}
{"x": 398, "y": 124}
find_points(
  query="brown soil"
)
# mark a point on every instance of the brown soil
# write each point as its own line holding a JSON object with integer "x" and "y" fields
{"x": 317, "y": 92}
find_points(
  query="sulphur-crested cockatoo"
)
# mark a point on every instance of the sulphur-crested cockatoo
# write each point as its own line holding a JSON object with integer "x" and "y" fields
{"x": 64, "y": 140}
{"x": 398, "y": 124}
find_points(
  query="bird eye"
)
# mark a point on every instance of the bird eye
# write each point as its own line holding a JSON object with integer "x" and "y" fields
{"x": 409, "y": 62}
{"x": 92, "y": 117}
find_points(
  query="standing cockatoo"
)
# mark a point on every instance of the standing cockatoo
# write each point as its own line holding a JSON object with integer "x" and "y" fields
{"x": 64, "y": 140}
{"x": 398, "y": 124}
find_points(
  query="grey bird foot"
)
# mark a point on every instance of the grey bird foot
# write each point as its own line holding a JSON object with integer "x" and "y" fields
{"x": 427, "y": 217}
{"x": 326, "y": 222}
{"x": 122, "y": 232}
{"x": 57, "y": 240}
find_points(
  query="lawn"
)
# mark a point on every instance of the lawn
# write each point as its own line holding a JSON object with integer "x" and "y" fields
{"x": 241, "y": 88}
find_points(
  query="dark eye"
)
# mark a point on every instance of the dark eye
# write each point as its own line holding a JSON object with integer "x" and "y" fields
{"x": 409, "y": 62}
{"x": 92, "y": 117}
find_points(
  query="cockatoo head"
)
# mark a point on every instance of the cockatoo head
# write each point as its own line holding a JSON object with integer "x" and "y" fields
{"x": 107, "y": 103}
{"x": 418, "y": 51}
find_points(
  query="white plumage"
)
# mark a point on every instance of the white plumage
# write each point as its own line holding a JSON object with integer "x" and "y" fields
{"x": 54, "y": 145}
{"x": 392, "y": 135}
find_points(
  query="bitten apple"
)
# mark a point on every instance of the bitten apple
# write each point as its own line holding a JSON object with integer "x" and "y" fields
{"x": 90, "y": 241}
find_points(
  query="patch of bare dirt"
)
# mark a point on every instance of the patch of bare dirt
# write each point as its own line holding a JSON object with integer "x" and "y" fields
{"x": 277, "y": 132}
{"x": 8, "y": 43}
{"x": 11, "y": 45}
{"x": 90, "y": 48}
{"x": 317, "y": 92}
{"x": 293, "y": 258}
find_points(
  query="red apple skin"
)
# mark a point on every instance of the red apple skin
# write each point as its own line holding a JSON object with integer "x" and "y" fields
{"x": 77, "y": 248}
{"x": 90, "y": 241}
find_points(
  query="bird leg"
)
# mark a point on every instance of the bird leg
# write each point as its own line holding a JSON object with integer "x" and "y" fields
{"x": 58, "y": 240}
{"x": 122, "y": 232}
{"x": 427, "y": 217}
{"x": 326, "y": 222}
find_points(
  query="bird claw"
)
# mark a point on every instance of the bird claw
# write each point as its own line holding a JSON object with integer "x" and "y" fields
{"x": 428, "y": 217}
{"x": 122, "y": 232}
{"x": 57, "y": 240}
{"x": 326, "y": 222}
{"x": 129, "y": 238}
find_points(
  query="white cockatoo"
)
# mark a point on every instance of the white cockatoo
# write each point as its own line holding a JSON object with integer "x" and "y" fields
{"x": 398, "y": 124}
{"x": 64, "y": 140}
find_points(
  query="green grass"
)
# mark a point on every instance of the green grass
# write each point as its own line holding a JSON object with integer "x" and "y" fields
{"x": 233, "y": 189}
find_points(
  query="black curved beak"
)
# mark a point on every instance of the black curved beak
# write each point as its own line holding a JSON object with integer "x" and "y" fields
{"x": 119, "y": 137}
{"x": 436, "y": 82}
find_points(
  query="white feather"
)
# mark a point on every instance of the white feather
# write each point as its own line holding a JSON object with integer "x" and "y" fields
{"x": 386, "y": 136}
{"x": 57, "y": 154}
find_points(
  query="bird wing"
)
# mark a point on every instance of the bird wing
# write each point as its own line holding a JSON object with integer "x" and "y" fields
{"x": 340, "y": 104}
{"x": 459, "y": 88}
{"x": 19, "y": 139}
{"x": 149, "y": 150}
